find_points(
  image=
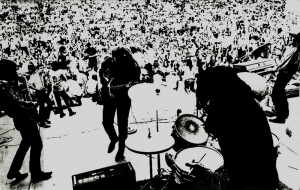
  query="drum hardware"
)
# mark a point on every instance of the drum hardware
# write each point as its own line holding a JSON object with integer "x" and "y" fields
{"x": 157, "y": 94}
{"x": 159, "y": 182}
{"x": 130, "y": 130}
{"x": 149, "y": 133}
{"x": 276, "y": 144}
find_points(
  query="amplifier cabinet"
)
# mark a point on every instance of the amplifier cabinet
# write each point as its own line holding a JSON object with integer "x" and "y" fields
{"x": 108, "y": 178}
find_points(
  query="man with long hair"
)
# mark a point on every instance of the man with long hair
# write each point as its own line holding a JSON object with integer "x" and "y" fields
{"x": 119, "y": 70}
{"x": 25, "y": 119}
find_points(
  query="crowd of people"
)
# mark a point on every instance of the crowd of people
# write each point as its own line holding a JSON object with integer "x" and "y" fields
{"x": 170, "y": 38}
{"x": 60, "y": 47}
{"x": 166, "y": 33}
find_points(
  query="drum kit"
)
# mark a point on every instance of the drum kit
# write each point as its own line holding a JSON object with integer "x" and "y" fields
{"x": 209, "y": 159}
{"x": 188, "y": 131}
{"x": 193, "y": 145}
{"x": 195, "y": 148}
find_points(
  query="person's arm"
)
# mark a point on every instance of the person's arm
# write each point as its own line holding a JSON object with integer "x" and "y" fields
{"x": 11, "y": 104}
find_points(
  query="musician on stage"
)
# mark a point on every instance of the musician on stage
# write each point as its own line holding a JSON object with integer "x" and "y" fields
{"x": 119, "y": 70}
{"x": 285, "y": 73}
{"x": 25, "y": 121}
{"x": 240, "y": 125}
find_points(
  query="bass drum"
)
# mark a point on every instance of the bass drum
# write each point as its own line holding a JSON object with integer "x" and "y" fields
{"x": 188, "y": 131}
{"x": 207, "y": 159}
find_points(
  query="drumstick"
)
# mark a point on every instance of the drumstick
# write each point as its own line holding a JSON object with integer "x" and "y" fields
{"x": 192, "y": 166}
{"x": 200, "y": 159}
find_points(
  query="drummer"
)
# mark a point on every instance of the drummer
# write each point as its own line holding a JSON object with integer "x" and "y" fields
{"x": 241, "y": 127}
{"x": 124, "y": 69}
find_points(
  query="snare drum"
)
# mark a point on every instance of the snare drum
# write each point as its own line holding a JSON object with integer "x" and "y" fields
{"x": 206, "y": 157}
{"x": 188, "y": 131}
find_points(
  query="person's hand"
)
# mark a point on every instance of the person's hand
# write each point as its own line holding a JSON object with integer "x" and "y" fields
{"x": 198, "y": 170}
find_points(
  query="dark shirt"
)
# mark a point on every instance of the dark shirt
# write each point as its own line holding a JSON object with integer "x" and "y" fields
{"x": 241, "y": 127}
{"x": 293, "y": 64}
{"x": 14, "y": 106}
{"x": 120, "y": 73}
{"x": 90, "y": 51}
{"x": 126, "y": 71}
{"x": 91, "y": 56}
{"x": 62, "y": 62}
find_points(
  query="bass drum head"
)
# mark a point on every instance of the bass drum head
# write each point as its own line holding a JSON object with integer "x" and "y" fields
{"x": 191, "y": 129}
{"x": 207, "y": 157}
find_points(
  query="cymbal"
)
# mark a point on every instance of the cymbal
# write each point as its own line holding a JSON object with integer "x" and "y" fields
{"x": 156, "y": 94}
{"x": 191, "y": 129}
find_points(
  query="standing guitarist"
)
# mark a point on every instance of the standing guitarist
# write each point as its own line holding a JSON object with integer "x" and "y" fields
{"x": 285, "y": 74}
{"x": 117, "y": 74}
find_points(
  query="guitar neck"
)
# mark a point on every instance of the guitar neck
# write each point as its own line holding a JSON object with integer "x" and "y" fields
{"x": 128, "y": 84}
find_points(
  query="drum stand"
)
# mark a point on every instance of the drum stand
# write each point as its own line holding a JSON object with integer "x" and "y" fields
{"x": 131, "y": 130}
{"x": 159, "y": 182}
{"x": 157, "y": 129}
{"x": 134, "y": 118}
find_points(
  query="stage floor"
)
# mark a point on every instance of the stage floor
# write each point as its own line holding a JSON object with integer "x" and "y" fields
{"x": 79, "y": 143}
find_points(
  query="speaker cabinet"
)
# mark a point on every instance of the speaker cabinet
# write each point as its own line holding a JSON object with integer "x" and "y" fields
{"x": 108, "y": 178}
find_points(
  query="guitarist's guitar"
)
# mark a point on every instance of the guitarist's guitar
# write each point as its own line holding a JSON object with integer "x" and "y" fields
{"x": 115, "y": 86}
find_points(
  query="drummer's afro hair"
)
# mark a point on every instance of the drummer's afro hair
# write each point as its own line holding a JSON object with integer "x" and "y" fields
{"x": 221, "y": 83}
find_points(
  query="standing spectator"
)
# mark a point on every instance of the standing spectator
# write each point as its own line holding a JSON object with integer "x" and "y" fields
{"x": 38, "y": 85}
{"x": 91, "y": 55}
{"x": 58, "y": 79}
{"x": 62, "y": 60}
{"x": 189, "y": 76}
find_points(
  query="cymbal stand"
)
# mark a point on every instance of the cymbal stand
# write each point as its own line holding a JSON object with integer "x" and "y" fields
{"x": 134, "y": 118}
{"x": 157, "y": 121}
